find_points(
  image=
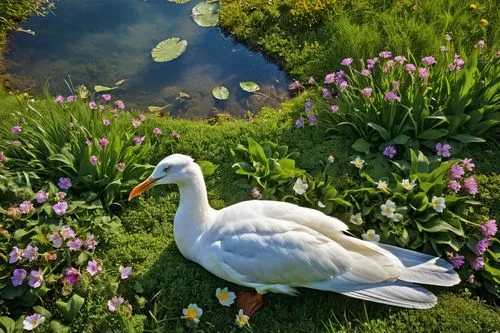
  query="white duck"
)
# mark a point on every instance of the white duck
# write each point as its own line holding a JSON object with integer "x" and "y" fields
{"x": 276, "y": 246}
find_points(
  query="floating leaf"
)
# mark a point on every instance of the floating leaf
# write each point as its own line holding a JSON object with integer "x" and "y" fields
{"x": 249, "y": 86}
{"x": 205, "y": 14}
{"x": 220, "y": 92}
{"x": 119, "y": 83}
{"x": 28, "y": 31}
{"x": 179, "y": 1}
{"x": 169, "y": 49}
{"x": 157, "y": 109}
{"x": 99, "y": 88}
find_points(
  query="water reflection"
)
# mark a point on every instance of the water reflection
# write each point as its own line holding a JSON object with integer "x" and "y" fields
{"x": 103, "y": 41}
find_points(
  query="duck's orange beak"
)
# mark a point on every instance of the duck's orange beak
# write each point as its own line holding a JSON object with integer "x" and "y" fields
{"x": 142, "y": 187}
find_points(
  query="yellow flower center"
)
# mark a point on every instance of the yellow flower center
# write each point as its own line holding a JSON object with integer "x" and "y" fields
{"x": 388, "y": 209}
{"x": 191, "y": 314}
{"x": 242, "y": 320}
{"x": 223, "y": 297}
{"x": 436, "y": 202}
{"x": 473, "y": 6}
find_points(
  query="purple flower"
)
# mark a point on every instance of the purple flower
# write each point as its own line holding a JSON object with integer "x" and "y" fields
{"x": 330, "y": 78}
{"x": 346, "y": 62}
{"x": 94, "y": 160}
{"x": 401, "y": 59}
{"x": 157, "y": 131}
{"x": 18, "y": 277}
{"x": 468, "y": 164}
{"x": 429, "y": 60}
{"x": 390, "y": 151}
{"x": 311, "y": 80}
{"x": 344, "y": 85}
{"x": 334, "y": 108}
{"x": 457, "y": 261}
{"x": 138, "y": 139}
{"x": 114, "y": 303}
{"x": 391, "y": 96}
{"x": 423, "y": 72}
{"x": 30, "y": 253}
{"x": 136, "y": 123}
{"x": 71, "y": 99}
{"x": 176, "y": 135}
{"x": 481, "y": 246}
{"x": 33, "y": 321}
{"x": 457, "y": 171}
{"x": 88, "y": 141}
{"x": 106, "y": 97}
{"x": 443, "y": 48}
{"x": 26, "y": 207}
{"x": 410, "y": 68}
{"x": 36, "y": 278}
{"x": 443, "y": 149}
{"x": 477, "y": 264}
{"x": 90, "y": 242}
{"x": 73, "y": 276}
{"x": 93, "y": 105}
{"x": 94, "y": 268}
{"x": 142, "y": 117}
{"x": 365, "y": 72}
{"x": 56, "y": 239}
{"x": 489, "y": 228}
{"x": 75, "y": 244}
{"x": 371, "y": 62}
{"x": 299, "y": 123}
{"x": 454, "y": 186}
{"x": 120, "y": 105}
{"x": 470, "y": 186}
{"x": 14, "y": 255}
{"x": 41, "y": 196}
{"x": 326, "y": 93}
{"x": 103, "y": 142}
{"x": 60, "y": 208}
{"x": 385, "y": 54}
{"x": 312, "y": 119}
{"x": 106, "y": 122}
{"x": 120, "y": 166}
{"x": 125, "y": 272}
{"x": 308, "y": 105}
{"x": 59, "y": 99}
{"x": 15, "y": 130}
{"x": 367, "y": 92}
{"x": 67, "y": 233}
{"x": 64, "y": 183}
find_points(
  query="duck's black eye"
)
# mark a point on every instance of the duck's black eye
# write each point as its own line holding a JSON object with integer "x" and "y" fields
{"x": 167, "y": 169}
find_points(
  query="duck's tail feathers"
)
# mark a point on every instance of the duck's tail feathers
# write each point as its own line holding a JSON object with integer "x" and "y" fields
{"x": 423, "y": 268}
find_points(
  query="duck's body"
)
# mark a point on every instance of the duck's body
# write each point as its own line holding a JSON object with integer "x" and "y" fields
{"x": 276, "y": 246}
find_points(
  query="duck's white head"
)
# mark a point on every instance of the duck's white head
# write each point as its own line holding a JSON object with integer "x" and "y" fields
{"x": 173, "y": 169}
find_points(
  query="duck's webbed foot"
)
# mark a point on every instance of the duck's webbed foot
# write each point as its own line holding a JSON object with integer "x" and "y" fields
{"x": 249, "y": 301}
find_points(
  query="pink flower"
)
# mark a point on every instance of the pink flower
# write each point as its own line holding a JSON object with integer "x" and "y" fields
{"x": 390, "y": 151}
{"x": 470, "y": 186}
{"x": 312, "y": 119}
{"x": 64, "y": 183}
{"x": 71, "y": 99}
{"x": 60, "y": 196}
{"x": 120, "y": 166}
{"x": 75, "y": 244}
{"x": 59, "y": 99}
{"x": 67, "y": 233}
{"x": 365, "y": 72}
{"x": 326, "y": 93}
{"x": 389, "y": 65}
{"x": 457, "y": 171}
{"x": 480, "y": 44}
{"x": 106, "y": 97}
{"x": 481, "y": 246}
{"x": 60, "y": 208}
{"x": 56, "y": 239}
{"x": 311, "y": 80}
{"x": 136, "y": 123}
{"x": 401, "y": 59}
{"x": 103, "y": 142}
{"x": 334, "y": 108}
{"x": 30, "y": 253}
{"x": 157, "y": 131}
{"x": 94, "y": 160}
{"x": 94, "y": 268}
{"x": 423, "y": 72}
{"x": 330, "y": 78}
{"x": 429, "y": 60}
{"x": 26, "y": 207}
{"x": 138, "y": 139}
{"x": 18, "y": 277}
{"x": 142, "y": 117}
{"x": 370, "y": 63}
{"x": 385, "y": 54}
{"x": 344, "y": 85}
{"x": 454, "y": 186}
{"x": 15, "y": 130}
{"x": 114, "y": 303}
{"x": 125, "y": 272}
{"x": 391, "y": 96}
{"x": 410, "y": 68}
{"x": 295, "y": 85}
{"x": 41, "y": 196}
{"x": 489, "y": 228}
{"x": 443, "y": 149}
{"x": 367, "y": 92}
{"x": 90, "y": 242}
{"x": 468, "y": 164}
{"x": 106, "y": 122}
{"x": 73, "y": 276}
{"x": 477, "y": 264}
{"x": 88, "y": 141}
{"x": 14, "y": 255}
{"x": 346, "y": 62}
{"x": 16, "y": 143}
{"x": 36, "y": 278}
{"x": 120, "y": 105}
{"x": 457, "y": 261}
{"x": 93, "y": 105}
{"x": 176, "y": 135}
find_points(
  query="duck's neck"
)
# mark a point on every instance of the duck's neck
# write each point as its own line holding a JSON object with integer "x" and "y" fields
{"x": 194, "y": 215}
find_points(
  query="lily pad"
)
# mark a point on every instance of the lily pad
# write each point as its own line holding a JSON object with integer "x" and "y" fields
{"x": 179, "y": 1}
{"x": 206, "y": 13}
{"x": 220, "y": 92}
{"x": 169, "y": 49}
{"x": 249, "y": 86}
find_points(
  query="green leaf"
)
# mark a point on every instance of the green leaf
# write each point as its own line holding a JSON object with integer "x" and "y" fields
{"x": 205, "y": 14}
{"x": 257, "y": 152}
{"x": 420, "y": 201}
{"x": 438, "y": 225}
{"x": 70, "y": 309}
{"x": 169, "y": 49}
{"x": 433, "y": 134}
{"x": 382, "y": 131}
{"x": 220, "y": 92}
{"x": 57, "y": 327}
{"x": 465, "y": 138}
{"x": 361, "y": 145}
{"x": 207, "y": 168}
{"x": 43, "y": 311}
{"x": 400, "y": 139}
{"x": 7, "y": 324}
{"x": 249, "y": 86}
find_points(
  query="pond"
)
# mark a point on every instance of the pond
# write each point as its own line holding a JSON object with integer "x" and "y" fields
{"x": 100, "y": 42}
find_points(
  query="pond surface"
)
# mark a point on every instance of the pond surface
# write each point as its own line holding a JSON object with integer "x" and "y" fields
{"x": 99, "y": 42}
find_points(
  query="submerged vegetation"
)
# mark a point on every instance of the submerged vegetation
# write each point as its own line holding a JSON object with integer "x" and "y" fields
{"x": 398, "y": 142}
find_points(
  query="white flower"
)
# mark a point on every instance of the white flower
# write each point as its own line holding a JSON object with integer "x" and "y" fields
{"x": 330, "y": 159}
{"x": 371, "y": 236}
{"x": 356, "y": 219}
{"x": 358, "y": 162}
{"x": 321, "y": 205}
{"x": 225, "y": 297}
{"x": 193, "y": 313}
{"x": 438, "y": 204}
{"x": 388, "y": 209}
{"x": 241, "y": 319}
{"x": 382, "y": 185}
{"x": 407, "y": 185}
{"x": 300, "y": 187}
{"x": 33, "y": 321}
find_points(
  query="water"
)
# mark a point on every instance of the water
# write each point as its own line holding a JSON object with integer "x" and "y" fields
{"x": 99, "y": 42}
